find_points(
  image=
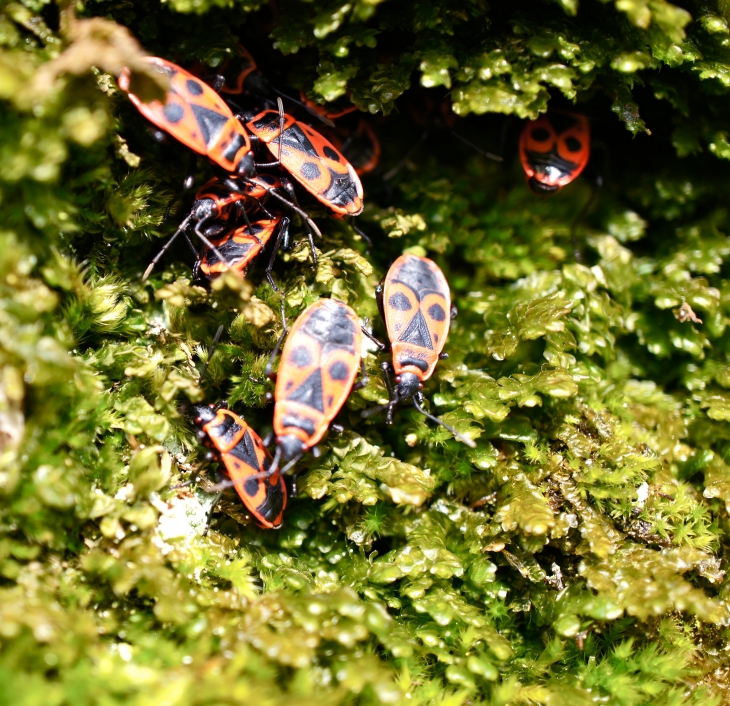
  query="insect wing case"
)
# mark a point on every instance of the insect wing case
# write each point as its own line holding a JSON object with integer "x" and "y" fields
{"x": 417, "y": 306}
{"x": 318, "y": 367}
{"x": 244, "y": 456}
{"x": 238, "y": 248}
{"x": 194, "y": 114}
{"x": 312, "y": 160}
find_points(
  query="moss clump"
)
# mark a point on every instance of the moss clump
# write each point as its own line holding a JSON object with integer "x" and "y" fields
{"x": 579, "y": 554}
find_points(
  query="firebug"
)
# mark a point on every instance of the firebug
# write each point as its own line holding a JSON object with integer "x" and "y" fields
{"x": 415, "y": 303}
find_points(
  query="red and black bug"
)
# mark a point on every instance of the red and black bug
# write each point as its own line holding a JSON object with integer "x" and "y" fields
{"x": 246, "y": 461}
{"x": 220, "y": 208}
{"x": 197, "y": 116}
{"x": 415, "y": 303}
{"x": 319, "y": 363}
{"x": 311, "y": 159}
{"x": 554, "y": 150}
{"x": 240, "y": 248}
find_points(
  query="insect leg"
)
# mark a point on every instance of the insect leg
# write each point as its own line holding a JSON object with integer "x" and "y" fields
{"x": 277, "y": 347}
{"x": 581, "y": 215}
{"x": 476, "y": 148}
{"x": 392, "y": 172}
{"x": 364, "y": 379}
{"x": 165, "y": 247}
{"x": 457, "y": 436}
{"x": 290, "y": 190}
{"x": 296, "y": 209}
{"x": 209, "y": 243}
{"x": 361, "y": 233}
{"x": 209, "y": 514}
{"x": 392, "y": 397}
{"x": 281, "y": 236}
{"x": 381, "y": 346}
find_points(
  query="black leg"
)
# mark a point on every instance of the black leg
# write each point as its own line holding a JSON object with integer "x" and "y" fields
{"x": 269, "y": 366}
{"x": 165, "y": 247}
{"x": 281, "y": 236}
{"x": 418, "y": 400}
{"x": 379, "y": 300}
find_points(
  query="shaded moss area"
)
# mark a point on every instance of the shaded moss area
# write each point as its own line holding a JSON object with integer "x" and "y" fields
{"x": 578, "y": 555}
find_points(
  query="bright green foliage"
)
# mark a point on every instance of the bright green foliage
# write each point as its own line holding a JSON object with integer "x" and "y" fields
{"x": 578, "y": 555}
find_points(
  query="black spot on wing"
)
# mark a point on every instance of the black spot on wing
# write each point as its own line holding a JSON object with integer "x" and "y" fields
{"x": 309, "y": 392}
{"x": 331, "y": 153}
{"x": 193, "y": 87}
{"x": 540, "y": 134}
{"x": 573, "y": 144}
{"x": 339, "y": 371}
{"x": 251, "y": 487}
{"x": 210, "y": 122}
{"x": 436, "y": 312}
{"x": 400, "y": 302}
{"x": 301, "y": 357}
{"x": 417, "y": 332}
{"x": 310, "y": 171}
{"x": 173, "y": 113}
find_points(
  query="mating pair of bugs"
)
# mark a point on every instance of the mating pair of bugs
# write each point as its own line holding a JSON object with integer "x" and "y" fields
{"x": 229, "y": 212}
{"x": 319, "y": 363}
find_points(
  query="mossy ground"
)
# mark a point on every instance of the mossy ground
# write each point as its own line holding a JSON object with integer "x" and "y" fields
{"x": 577, "y": 556}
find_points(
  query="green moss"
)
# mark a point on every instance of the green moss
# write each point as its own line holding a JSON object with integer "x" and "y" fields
{"x": 579, "y": 553}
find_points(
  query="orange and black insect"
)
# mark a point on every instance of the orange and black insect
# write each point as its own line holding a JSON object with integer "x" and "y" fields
{"x": 319, "y": 363}
{"x": 197, "y": 116}
{"x": 241, "y": 247}
{"x": 415, "y": 303}
{"x": 311, "y": 159}
{"x": 218, "y": 208}
{"x": 246, "y": 461}
{"x": 554, "y": 150}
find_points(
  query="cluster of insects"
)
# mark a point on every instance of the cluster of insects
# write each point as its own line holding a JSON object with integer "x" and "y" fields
{"x": 259, "y": 158}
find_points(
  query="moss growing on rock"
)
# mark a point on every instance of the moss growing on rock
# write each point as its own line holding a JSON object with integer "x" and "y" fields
{"x": 577, "y": 555}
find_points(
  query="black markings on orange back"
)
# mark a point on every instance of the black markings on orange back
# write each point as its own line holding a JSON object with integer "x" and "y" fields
{"x": 554, "y": 150}
{"x": 197, "y": 116}
{"x": 244, "y": 456}
{"x": 417, "y": 308}
{"x": 312, "y": 160}
{"x": 319, "y": 363}
{"x": 238, "y": 247}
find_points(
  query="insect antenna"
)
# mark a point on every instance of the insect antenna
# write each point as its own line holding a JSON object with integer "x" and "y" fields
{"x": 311, "y": 111}
{"x": 488, "y": 155}
{"x": 582, "y": 215}
{"x": 277, "y": 347}
{"x": 459, "y": 437}
{"x": 165, "y": 247}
